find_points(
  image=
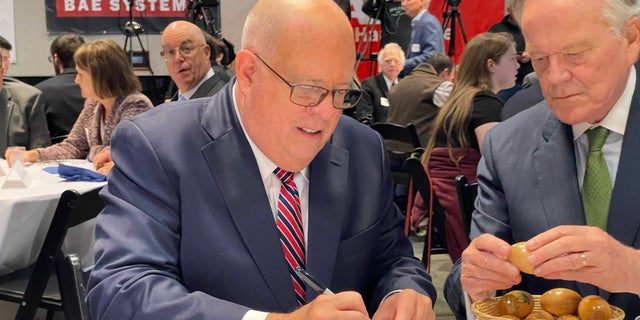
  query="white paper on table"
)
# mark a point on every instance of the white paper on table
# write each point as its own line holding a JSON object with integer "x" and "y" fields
{"x": 18, "y": 177}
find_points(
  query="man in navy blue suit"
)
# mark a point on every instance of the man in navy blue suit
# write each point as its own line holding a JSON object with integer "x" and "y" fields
{"x": 535, "y": 174}
{"x": 189, "y": 228}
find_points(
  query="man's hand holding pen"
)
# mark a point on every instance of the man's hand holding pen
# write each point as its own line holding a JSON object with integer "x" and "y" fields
{"x": 406, "y": 304}
{"x": 343, "y": 305}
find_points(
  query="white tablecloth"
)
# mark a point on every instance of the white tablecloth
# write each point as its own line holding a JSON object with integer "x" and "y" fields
{"x": 25, "y": 215}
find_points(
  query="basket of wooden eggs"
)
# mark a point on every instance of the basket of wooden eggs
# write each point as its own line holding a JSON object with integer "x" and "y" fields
{"x": 558, "y": 304}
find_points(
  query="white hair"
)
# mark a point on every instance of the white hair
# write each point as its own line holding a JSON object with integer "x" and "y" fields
{"x": 393, "y": 46}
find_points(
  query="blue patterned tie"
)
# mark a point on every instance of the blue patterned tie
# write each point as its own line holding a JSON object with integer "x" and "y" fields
{"x": 289, "y": 224}
{"x": 596, "y": 187}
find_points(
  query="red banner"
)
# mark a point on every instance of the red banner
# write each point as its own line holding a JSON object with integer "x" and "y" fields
{"x": 475, "y": 16}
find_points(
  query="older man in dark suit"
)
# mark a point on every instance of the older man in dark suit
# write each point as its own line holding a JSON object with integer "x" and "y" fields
{"x": 374, "y": 105}
{"x": 22, "y": 120}
{"x": 228, "y": 195}
{"x": 187, "y": 57}
{"x": 563, "y": 174}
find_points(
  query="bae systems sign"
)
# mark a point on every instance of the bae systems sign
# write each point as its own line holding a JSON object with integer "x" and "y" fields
{"x": 110, "y": 16}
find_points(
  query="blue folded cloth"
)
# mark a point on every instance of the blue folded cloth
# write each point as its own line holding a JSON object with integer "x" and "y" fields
{"x": 71, "y": 173}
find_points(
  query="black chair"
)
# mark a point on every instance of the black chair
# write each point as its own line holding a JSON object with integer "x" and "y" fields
{"x": 435, "y": 241}
{"x": 74, "y": 288}
{"x": 396, "y": 138}
{"x": 38, "y": 286}
{"x": 467, "y": 193}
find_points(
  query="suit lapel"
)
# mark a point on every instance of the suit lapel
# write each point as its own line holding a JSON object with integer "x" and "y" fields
{"x": 624, "y": 222}
{"x": 6, "y": 109}
{"x": 328, "y": 194}
{"x": 382, "y": 85}
{"x": 207, "y": 86}
{"x": 238, "y": 179}
{"x": 555, "y": 165}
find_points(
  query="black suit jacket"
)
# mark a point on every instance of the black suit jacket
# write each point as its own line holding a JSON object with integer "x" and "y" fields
{"x": 209, "y": 87}
{"x": 373, "y": 107}
{"x": 62, "y": 102}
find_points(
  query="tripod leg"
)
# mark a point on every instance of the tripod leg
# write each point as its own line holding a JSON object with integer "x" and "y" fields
{"x": 464, "y": 34}
{"x": 452, "y": 37}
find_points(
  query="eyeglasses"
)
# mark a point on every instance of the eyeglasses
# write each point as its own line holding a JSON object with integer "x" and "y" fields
{"x": 187, "y": 50}
{"x": 311, "y": 96}
{"x": 50, "y": 58}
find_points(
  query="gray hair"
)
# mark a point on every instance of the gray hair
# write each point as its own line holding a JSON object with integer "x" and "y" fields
{"x": 391, "y": 45}
{"x": 615, "y": 12}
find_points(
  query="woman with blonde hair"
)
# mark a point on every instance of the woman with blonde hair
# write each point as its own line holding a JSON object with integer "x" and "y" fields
{"x": 488, "y": 65}
{"x": 112, "y": 93}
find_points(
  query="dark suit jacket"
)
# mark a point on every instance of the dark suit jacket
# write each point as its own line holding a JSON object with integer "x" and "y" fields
{"x": 62, "y": 102}
{"x": 190, "y": 234}
{"x": 528, "y": 184}
{"x": 209, "y": 87}
{"x": 22, "y": 120}
{"x": 373, "y": 106}
{"x": 522, "y": 100}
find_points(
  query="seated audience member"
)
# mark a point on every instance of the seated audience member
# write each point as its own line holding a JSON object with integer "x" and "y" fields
{"x": 562, "y": 175}
{"x": 374, "y": 105}
{"x": 209, "y": 172}
{"x": 522, "y": 100}
{"x": 187, "y": 57}
{"x": 510, "y": 25}
{"x": 22, "y": 120}
{"x": 219, "y": 55}
{"x": 61, "y": 96}
{"x": 426, "y": 34}
{"x": 488, "y": 65}
{"x": 111, "y": 90}
{"x": 418, "y": 97}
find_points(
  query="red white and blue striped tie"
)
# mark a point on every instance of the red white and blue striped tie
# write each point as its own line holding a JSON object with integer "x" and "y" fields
{"x": 289, "y": 224}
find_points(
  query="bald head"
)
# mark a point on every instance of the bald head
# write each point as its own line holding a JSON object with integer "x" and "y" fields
{"x": 304, "y": 42}
{"x": 182, "y": 29}
{"x": 186, "y": 54}
{"x": 272, "y": 24}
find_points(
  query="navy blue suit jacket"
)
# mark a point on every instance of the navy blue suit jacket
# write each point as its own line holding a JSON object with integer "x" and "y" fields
{"x": 188, "y": 231}
{"x": 528, "y": 184}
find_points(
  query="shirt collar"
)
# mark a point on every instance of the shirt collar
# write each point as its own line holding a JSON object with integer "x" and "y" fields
{"x": 187, "y": 95}
{"x": 388, "y": 82}
{"x": 418, "y": 16}
{"x": 616, "y": 119}
{"x": 265, "y": 165}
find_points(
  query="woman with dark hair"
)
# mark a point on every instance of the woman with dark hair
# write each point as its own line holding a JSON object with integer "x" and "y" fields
{"x": 112, "y": 93}
{"x": 488, "y": 65}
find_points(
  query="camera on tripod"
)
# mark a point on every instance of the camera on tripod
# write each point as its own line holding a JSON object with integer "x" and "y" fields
{"x": 132, "y": 28}
{"x": 454, "y": 3}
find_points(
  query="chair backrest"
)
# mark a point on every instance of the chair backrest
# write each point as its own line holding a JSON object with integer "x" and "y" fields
{"x": 405, "y": 134}
{"x": 467, "y": 193}
{"x": 73, "y": 208}
{"x": 435, "y": 241}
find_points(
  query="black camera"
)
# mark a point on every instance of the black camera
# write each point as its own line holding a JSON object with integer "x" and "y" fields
{"x": 454, "y": 3}
{"x": 196, "y": 4}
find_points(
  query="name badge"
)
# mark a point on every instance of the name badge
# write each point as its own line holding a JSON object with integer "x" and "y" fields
{"x": 415, "y": 47}
{"x": 384, "y": 102}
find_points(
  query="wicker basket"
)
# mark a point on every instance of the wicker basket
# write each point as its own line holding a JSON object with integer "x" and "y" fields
{"x": 488, "y": 309}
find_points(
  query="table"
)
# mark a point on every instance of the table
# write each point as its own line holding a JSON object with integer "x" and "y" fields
{"x": 25, "y": 215}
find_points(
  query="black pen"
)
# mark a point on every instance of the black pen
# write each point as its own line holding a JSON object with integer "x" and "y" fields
{"x": 311, "y": 282}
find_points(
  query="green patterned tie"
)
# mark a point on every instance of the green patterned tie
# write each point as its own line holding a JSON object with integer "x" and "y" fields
{"x": 596, "y": 187}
